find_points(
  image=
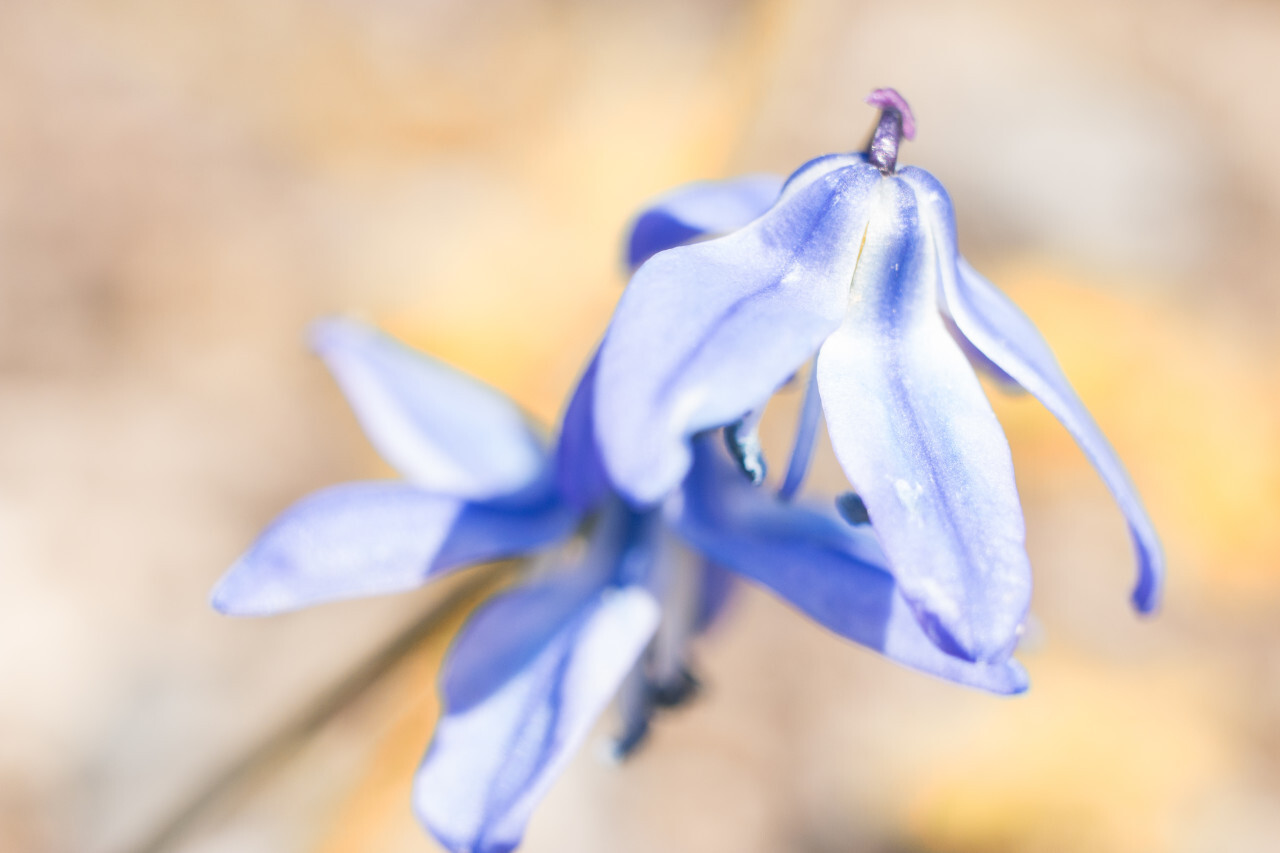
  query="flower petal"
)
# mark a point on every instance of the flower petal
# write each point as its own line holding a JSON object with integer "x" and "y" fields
{"x": 441, "y": 429}
{"x": 1003, "y": 334}
{"x": 492, "y": 761}
{"x": 500, "y": 638}
{"x": 833, "y": 573}
{"x": 698, "y": 209}
{"x": 980, "y": 362}
{"x": 579, "y": 470}
{"x": 1008, "y": 338}
{"x": 917, "y": 438}
{"x": 706, "y": 332}
{"x": 371, "y": 538}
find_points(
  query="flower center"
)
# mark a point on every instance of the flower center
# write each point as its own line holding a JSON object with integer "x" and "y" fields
{"x": 896, "y": 122}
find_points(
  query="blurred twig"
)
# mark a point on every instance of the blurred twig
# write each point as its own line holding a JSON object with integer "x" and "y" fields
{"x": 295, "y": 732}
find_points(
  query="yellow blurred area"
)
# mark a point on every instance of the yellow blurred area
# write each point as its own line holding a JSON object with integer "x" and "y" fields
{"x": 1091, "y": 760}
{"x": 184, "y": 186}
{"x": 372, "y": 816}
{"x": 1193, "y": 410}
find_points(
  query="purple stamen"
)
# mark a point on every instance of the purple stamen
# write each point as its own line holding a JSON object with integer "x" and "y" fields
{"x": 896, "y": 122}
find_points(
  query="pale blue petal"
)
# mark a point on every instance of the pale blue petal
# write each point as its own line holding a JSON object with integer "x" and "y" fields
{"x": 980, "y": 362}
{"x": 507, "y": 633}
{"x": 490, "y": 647}
{"x": 1002, "y": 333}
{"x": 699, "y": 209}
{"x": 441, "y": 429}
{"x": 492, "y": 762}
{"x": 914, "y": 432}
{"x": 371, "y": 538}
{"x": 579, "y": 471}
{"x": 707, "y": 332}
{"x": 806, "y": 434}
{"x": 833, "y": 573}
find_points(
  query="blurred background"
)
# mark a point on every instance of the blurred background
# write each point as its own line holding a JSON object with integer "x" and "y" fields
{"x": 183, "y": 186}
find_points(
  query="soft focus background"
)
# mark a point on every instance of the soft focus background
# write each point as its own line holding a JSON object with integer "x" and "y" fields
{"x": 183, "y": 186}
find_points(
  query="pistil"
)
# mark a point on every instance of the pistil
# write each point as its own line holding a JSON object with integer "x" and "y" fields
{"x": 896, "y": 123}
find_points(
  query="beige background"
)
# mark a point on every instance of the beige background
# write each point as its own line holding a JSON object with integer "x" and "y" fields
{"x": 183, "y": 185}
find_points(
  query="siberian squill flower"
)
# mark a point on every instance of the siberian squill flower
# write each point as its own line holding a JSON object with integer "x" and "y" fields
{"x": 612, "y": 610}
{"x": 854, "y": 263}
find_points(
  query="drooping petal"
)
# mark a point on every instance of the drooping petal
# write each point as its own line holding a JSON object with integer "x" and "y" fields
{"x": 806, "y": 434}
{"x": 980, "y": 362}
{"x": 579, "y": 470}
{"x": 706, "y": 332}
{"x": 698, "y": 209}
{"x": 833, "y": 573}
{"x": 916, "y": 436}
{"x": 371, "y": 538}
{"x": 441, "y": 429}
{"x": 493, "y": 760}
{"x": 1001, "y": 332}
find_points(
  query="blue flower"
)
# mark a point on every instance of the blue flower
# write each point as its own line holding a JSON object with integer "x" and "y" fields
{"x": 854, "y": 264}
{"x": 610, "y": 612}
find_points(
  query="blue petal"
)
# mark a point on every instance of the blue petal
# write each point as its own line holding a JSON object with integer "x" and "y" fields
{"x": 806, "y": 434}
{"x": 441, "y": 429}
{"x": 707, "y": 332}
{"x": 493, "y": 760}
{"x": 1002, "y": 333}
{"x": 917, "y": 438}
{"x": 579, "y": 471}
{"x": 508, "y": 632}
{"x": 698, "y": 209}
{"x": 979, "y": 361}
{"x": 488, "y": 650}
{"x": 371, "y": 538}
{"x": 835, "y": 574}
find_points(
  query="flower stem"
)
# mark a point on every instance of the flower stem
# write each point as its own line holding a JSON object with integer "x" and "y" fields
{"x": 287, "y": 739}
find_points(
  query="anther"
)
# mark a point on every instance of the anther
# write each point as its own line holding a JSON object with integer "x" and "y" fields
{"x": 743, "y": 441}
{"x": 675, "y": 693}
{"x": 852, "y": 509}
{"x": 625, "y": 745}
